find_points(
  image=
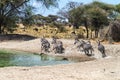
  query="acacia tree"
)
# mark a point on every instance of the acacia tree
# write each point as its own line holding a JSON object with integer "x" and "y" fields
{"x": 12, "y": 10}
{"x": 8, "y": 13}
{"x": 79, "y": 16}
{"x": 94, "y": 14}
{"x": 99, "y": 14}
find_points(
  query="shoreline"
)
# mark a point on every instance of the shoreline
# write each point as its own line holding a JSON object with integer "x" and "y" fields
{"x": 100, "y": 69}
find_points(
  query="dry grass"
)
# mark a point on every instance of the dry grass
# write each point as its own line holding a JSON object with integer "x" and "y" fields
{"x": 47, "y": 32}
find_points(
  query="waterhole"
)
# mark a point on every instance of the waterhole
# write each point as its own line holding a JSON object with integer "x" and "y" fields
{"x": 19, "y": 58}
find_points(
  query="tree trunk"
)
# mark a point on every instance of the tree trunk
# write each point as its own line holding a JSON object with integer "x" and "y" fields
{"x": 1, "y": 22}
{"x": 96, "y": 33}
{"x": 86, "y": 26}
{"x": 91, "y": 35}
{"x": 0, "y": 28}
{"x": 87, "y": 36}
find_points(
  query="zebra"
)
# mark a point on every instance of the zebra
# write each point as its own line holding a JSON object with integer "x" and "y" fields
{"x": 101, "y": 48}
{"x": 77, "y": 43}
{"x": 57, "y": 46}
{"x": 87, "y": 47}
{"x": 45, "y": 45}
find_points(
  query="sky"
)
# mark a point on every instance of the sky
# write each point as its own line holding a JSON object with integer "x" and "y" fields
{"x": 62, "y": 3}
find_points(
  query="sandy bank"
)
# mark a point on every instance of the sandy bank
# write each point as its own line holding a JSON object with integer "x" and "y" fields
{"x": 99, "y": 69}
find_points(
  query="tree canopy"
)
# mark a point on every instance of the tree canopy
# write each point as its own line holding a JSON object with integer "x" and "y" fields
{"x": 93, "y": 16}
{"x": 13, "y": 11}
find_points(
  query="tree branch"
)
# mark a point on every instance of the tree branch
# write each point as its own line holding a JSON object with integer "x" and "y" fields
{"x": 15, "y": 8}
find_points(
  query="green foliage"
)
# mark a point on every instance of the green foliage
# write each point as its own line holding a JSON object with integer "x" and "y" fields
{"x": 104, "y": 6}
{"x": 10, "y": 11}
{"x": 118, "y": 8}
{"x": 98, "y": 17}
{"x": 49, "y": 3}
{"x": 27, "y": 19}
{"x": 59, "y": 26}
{"x": 18, "y": 11}
{"x": 93, "y": 15}
{"x": 53, "y": 17}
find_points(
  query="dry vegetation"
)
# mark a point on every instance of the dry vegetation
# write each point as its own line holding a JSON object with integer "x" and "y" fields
{"x": 48, "y": 31}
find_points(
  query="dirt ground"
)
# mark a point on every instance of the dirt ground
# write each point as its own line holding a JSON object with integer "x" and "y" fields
{"x": 99, "y": 69}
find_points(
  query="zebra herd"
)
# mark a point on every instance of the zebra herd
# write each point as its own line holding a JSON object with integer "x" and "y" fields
{"x": 88, "y": 48}
{"x": 57, "y": 46}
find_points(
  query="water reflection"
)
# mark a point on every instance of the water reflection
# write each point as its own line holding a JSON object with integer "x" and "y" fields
{"x": 11, "y": 58}
{"x": 44, "y": 57}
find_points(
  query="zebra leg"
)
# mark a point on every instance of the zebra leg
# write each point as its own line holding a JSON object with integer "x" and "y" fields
{"x": 91, "y": 51}
{"x": 55, "y": 50}
{"x": 103, "y": 54}
{"x": 86, "y": 53}
{"x": 61, "y": 49}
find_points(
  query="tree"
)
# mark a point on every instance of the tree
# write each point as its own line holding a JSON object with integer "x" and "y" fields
{"x": 98, "y": 19}
{"x": 64, "y": 12}
{"x": 80, "y": 16}
{"x": 49, "y": 3}
{"x": 99, "y": 13}
{"x": 12, "y": 10}
{"x": 115, "y": 31}
{"x": 118, "y": 8}
{"x": 53, "y": 17}
{"x": 95, "y": 14}
{"x": 9, "y": 10}
{"x": 27, "y": 17}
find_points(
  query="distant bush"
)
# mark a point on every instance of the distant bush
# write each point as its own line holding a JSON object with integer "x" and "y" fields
{"x": 115, "y": 30}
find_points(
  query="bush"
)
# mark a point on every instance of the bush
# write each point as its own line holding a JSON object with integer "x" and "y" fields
{"x": 114, "y": 31}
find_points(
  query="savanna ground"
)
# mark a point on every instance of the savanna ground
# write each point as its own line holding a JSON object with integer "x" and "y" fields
{"x": 93, "y": 68}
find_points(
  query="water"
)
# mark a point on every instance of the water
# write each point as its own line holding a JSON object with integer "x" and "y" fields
{"x": 17, "y": 58}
